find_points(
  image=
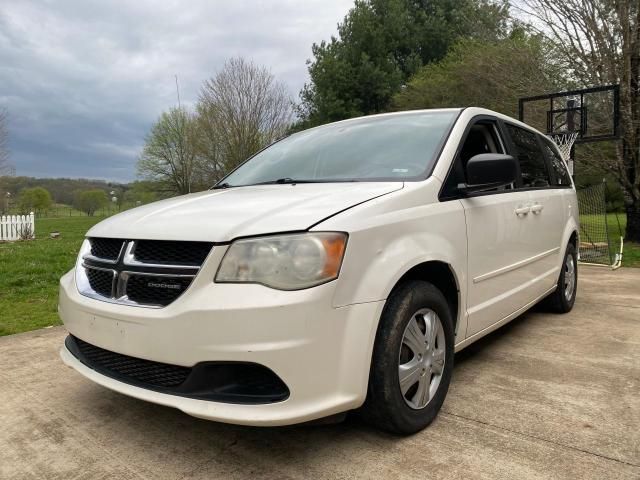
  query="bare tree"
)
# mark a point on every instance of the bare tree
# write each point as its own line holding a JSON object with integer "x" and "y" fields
{"x": 209, "y": 145}
{"x": 599, "y": 41}
{"x": 169, "y": 155}
{"x": 242, "y": 109}
{"x": 4, "y": 140}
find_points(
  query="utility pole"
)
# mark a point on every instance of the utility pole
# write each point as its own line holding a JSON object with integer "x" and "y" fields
{"x": 177, "y": 91}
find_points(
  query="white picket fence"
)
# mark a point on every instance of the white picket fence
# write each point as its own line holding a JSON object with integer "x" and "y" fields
{"x": 16, "y": 227}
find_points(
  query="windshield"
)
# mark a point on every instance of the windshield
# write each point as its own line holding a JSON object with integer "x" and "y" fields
{"x": 390, "y": 147}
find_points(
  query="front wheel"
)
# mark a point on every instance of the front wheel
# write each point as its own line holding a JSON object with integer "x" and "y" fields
{"x": 562, "y": 300}
{"x": 412, "y": 359}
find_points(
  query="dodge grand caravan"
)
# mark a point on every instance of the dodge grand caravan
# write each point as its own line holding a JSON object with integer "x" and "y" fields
{"x": 338, "y": 269}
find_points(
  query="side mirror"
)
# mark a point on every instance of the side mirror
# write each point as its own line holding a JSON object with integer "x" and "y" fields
{"x": 488, "y": 171}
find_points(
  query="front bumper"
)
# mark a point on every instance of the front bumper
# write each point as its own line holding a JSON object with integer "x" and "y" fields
{"x": 321, "y": 353}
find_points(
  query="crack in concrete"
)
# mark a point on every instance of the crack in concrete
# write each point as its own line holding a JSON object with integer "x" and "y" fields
{"x": 534, "y": 437}
{"x": 609, "y": 304}
{"x": 43, "y": 407}
{"x": 201, "y": 465}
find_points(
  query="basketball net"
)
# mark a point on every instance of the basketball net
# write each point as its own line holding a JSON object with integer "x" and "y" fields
{"x": 564, "y": 141}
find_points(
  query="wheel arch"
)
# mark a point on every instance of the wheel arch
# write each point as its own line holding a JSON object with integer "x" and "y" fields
{"x": 571, "y": 235}
{"x": 573, "y": 239}
{"x": 441, "y": 275}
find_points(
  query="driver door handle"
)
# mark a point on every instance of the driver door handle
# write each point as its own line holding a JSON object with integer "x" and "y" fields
{"x": 522, "y": 211}
{"x": 537, "y": 208}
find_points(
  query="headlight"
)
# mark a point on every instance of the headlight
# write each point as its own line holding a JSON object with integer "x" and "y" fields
{"x": 285, "y": 262}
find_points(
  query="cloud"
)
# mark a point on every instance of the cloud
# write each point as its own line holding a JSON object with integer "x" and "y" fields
{"x": 84, "y": 80}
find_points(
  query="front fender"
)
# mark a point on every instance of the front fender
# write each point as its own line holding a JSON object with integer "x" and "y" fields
{"x": 386, "y": 241}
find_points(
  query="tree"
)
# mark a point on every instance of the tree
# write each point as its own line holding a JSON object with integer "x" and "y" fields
{"x": 209, "y": 144}
{"x": 90, "y": 201}
{"x": 490, "y": 74}
{"x": 380, "y": 44}
{"x": 140, "y": 193}
{"x": 599, "y": 42}
{"x": 169, "y": 155}
{"x": 34, "y": 199}
{"x": 240, "y": 111}
{"x": 61, "y": 189}
{"x": 4, "y": 140}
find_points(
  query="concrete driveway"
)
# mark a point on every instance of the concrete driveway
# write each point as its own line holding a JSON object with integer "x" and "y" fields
{"x": 547, "y": 396}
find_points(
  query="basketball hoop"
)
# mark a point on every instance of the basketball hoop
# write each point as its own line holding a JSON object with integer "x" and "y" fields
{"x": 574, "y": 116}
{"x": 564, "y": 141}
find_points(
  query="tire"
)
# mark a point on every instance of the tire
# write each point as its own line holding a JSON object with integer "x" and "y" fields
{"x": 386, "y": 406}
{"x": 560, "y": 301}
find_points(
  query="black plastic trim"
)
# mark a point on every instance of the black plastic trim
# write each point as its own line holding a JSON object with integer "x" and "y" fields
{"x": 199, "y": 382}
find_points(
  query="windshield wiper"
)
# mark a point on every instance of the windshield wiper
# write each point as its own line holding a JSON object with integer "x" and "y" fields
{"x": 222, "y": 186}
{"x": 282, "y": 181}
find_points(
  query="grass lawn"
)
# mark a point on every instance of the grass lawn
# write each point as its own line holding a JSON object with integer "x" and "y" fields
{"x": 29, "y": 273}
{"x": 631, "y": 252}
{"x": 631, "y": 255}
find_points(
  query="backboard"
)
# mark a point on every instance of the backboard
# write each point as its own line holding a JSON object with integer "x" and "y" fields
{"x": 593, "y": 113}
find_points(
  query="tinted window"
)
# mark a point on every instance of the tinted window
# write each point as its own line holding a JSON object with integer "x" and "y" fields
{"x": 559, "y": 168}
{"x": 385, "y": 147}
{"x": 532, "y": 162}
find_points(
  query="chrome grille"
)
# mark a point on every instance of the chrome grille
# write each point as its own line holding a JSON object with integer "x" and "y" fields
{"x": 148, "y": 273}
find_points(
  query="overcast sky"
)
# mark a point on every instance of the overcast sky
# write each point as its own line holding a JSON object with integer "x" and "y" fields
{"x": 84, "y": 80}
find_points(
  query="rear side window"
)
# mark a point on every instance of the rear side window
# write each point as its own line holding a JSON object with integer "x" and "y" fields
{"x": 561, "y": 176}
{"x": 533, "y": 167}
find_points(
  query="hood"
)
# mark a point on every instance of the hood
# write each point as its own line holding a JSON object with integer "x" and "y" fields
{"x": 222, "y": 215}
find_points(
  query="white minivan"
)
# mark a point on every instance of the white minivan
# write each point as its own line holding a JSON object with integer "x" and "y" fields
{"x": 338, "y": 269}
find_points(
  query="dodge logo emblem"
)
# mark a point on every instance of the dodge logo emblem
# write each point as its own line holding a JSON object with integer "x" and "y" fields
{"x": 168, "y": 286}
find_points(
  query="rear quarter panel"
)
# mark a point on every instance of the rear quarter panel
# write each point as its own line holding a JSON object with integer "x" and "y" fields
{"x": 572, "y": 220}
